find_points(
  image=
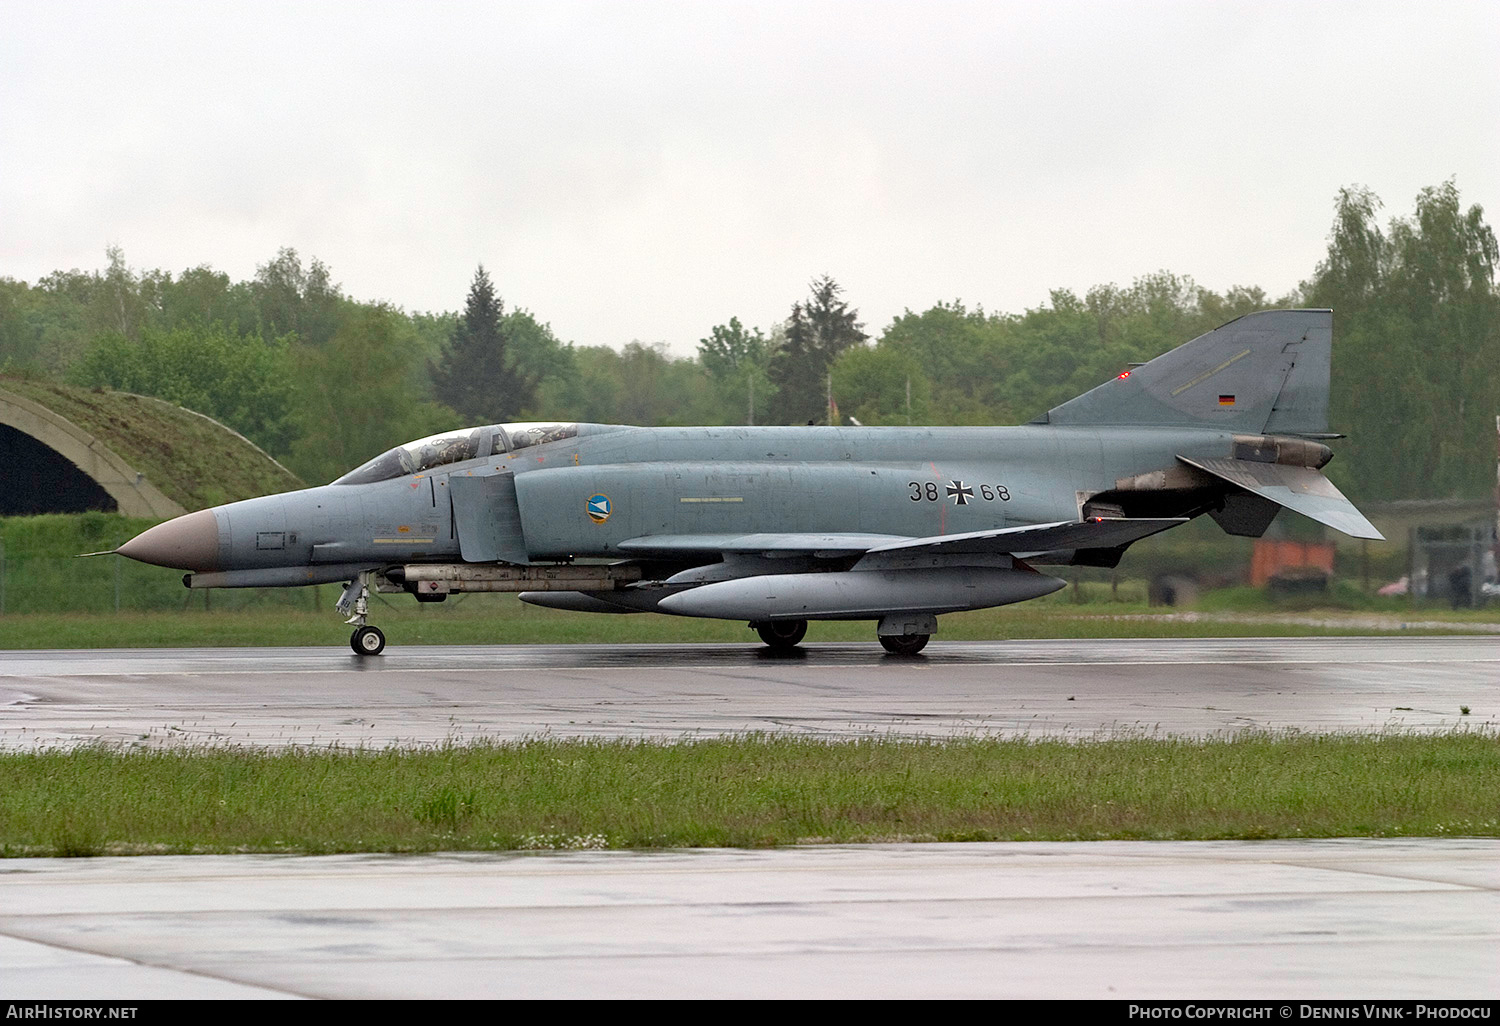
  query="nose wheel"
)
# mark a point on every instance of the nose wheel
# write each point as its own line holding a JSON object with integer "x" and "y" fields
{"x": 367, "y": 641}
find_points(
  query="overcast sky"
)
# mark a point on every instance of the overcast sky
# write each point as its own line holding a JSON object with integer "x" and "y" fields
{"x": 645, "y": 170}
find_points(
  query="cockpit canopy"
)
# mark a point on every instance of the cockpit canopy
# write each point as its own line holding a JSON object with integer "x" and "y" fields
{"x": 455, "y": 446}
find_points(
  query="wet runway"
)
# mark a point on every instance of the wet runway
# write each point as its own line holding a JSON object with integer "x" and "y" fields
{"x": 1357, "y": 920}
{"x": 415, "y": 694}
{"x": 1289, "y": 919}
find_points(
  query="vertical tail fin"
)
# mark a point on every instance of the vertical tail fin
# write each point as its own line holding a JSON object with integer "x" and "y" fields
{"x": 1263, "y": 373}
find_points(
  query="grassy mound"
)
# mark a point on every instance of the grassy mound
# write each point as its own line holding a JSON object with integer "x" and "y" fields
{"x": 195, "y": 461}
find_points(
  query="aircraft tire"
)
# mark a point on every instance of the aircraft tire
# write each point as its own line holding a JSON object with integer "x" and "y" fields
{"x": 904, "y": 644}
{"x": 782, "y": 635}
{"x": 367, "y": 641}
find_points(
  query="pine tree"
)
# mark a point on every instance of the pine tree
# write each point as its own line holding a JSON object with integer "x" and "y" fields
{"x": 818, "y": 331}
{"x": 477, "y": 375}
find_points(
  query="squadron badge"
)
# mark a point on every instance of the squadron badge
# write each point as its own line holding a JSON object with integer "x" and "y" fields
{"x": 598, "y": 508}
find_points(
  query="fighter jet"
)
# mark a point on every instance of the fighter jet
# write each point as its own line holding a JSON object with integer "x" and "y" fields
{"x": 778, "y": 526}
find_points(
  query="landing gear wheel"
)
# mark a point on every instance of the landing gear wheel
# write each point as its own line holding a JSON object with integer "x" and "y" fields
{"x": 904, "y": 644}
{"x": 782, "y": 635}
{"x": 367, "y": 641}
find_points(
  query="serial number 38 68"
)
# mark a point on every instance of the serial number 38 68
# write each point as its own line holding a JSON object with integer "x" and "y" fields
{"x": 960, "y": 492}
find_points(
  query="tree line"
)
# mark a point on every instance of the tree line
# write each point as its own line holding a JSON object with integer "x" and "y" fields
{"x": 323, "y": 381}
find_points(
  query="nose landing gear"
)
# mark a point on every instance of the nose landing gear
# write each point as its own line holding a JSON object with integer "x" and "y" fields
{"x": 366, "y": 640}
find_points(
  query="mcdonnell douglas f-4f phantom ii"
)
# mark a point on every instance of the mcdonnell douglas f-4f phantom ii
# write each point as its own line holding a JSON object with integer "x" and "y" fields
{"x": 781, "y": 525}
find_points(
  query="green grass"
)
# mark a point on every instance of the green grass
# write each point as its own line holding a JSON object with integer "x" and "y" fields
{"x": 747, "y": 791}
{"x": 40, "y": 571}
{"x": 490, "y": 620}
{"x": 1341, "y": 595}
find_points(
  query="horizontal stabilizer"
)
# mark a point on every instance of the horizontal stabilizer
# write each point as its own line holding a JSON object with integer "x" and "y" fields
{"x": 1093, "y": 533}
{"x": 1297, "y": 488}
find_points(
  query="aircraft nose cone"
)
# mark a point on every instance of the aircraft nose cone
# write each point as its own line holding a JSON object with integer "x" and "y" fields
{"x": 189, "y": 542}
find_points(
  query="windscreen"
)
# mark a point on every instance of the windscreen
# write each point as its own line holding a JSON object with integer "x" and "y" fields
{"x": 423, "y": 454}
{"x": 455, "y": 447}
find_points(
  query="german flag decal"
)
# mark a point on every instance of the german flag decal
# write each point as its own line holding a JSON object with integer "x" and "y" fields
{"x": 1226, "y": 400}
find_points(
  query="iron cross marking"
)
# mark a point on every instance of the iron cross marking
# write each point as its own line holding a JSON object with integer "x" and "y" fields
{"x": 959, "y": 494}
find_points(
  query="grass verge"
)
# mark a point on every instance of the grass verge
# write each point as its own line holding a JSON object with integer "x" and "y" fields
{"x": 488, "y": 620}
{"x": 750, "y": 791}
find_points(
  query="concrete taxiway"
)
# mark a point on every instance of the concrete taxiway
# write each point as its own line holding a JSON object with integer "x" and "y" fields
{"x": 1273, "y": 919}
{"x": 1276, "y": 919}
{"x": 429, "y": 694}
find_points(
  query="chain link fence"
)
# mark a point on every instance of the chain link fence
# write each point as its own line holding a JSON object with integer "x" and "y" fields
{"x": 102, "y": 584}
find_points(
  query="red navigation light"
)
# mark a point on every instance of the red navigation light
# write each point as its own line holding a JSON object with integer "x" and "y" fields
{"x": 1122, "y": 375}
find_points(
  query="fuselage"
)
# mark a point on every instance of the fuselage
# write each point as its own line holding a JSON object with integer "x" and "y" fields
{"x": 584, "y": 496}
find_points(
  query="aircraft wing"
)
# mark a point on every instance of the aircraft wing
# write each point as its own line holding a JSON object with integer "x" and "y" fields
{"x": 1093, "y": 533}
{"x": 772, "y": 545}
{"x": 1297, "y": 488}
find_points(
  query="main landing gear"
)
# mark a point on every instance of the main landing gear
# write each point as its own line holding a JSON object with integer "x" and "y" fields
{"x": 913, "y": 633}
{"x": 366, "y": 640}
{"x": 904, "y": 644}
{"x": 906, "y": 634}
{"x": 781, "y": 635}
